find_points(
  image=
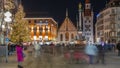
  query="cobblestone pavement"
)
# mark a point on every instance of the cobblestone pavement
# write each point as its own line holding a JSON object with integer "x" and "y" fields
{"x": 47, "y": 60}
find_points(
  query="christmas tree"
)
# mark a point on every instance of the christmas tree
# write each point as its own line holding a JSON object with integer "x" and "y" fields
{"x": 20, "y": 27}
{"x": 9, "y": 4}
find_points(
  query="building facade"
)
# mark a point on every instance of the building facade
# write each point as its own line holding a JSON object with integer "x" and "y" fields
{"x": 88, "y": 22}
{"x": 108, "y": 22}
{"x": 43, "y": 29}
{"x": 67, "y": 31}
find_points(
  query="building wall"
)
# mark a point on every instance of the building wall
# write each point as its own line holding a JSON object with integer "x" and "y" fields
{"x": 88, "y": 28}
{"x": 110, "y": 22}
{"x": 64, "y": 38}
{"x": 43, "y": 29}
{"x": 66, "y": 30}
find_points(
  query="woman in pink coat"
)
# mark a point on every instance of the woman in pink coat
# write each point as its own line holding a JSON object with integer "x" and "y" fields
{"x": 20, "y": 57}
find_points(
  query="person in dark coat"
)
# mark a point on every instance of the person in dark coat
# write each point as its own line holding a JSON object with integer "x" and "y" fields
{"x": 101, "y": 53}
{"x": 118, "y": 48}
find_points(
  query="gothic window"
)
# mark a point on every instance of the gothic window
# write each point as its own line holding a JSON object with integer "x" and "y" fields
{"x": 61, "y": 37}
{"x": 72, "y": 36}
{"x": 67, "y": 36}
{"x": 66, "y": 29}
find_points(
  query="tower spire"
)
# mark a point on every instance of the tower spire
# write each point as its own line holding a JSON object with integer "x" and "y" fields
{"x": 80, "y": 15}
{"x": 77, "y": 22}
{"x": 66, "y": 12}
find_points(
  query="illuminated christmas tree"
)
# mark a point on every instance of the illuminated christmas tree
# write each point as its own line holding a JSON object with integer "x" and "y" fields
{"x": 20, "y": 27}
{"x": 9, "y": 4}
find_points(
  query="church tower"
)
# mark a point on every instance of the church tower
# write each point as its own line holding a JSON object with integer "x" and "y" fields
{"x": 88, "y": 22}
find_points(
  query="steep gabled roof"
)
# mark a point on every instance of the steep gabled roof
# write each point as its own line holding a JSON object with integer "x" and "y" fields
{"x": 67, "y": 25}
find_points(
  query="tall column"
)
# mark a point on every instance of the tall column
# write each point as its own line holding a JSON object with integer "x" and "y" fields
{"x": 80, "y": 16}
{"x": 80, "y": 22}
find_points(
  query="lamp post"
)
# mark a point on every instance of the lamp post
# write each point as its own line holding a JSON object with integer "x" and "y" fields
{"x": 7, "y": 19}
{"x": 5, "y": 16}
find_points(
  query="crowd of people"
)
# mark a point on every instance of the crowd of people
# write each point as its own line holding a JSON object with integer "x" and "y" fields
{"x": 91, "y": 53}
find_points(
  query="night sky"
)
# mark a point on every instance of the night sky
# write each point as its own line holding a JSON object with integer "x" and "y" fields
{"x": 57, "y": 8}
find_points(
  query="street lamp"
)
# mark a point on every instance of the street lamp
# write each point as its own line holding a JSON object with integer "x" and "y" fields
{"x": 7, "y": 17}
{"x": 7, "y": 20}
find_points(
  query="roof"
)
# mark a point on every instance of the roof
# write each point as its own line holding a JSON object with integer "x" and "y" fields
{"x": 42, "y": 18}
{"x": 67, "y": 25}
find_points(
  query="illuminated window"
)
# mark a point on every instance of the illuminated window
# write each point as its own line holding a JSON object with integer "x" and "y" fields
{"x": 67, "y": 36}
{"x": 35, "y": 37}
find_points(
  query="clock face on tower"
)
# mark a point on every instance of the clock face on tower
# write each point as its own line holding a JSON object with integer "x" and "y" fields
{"x": 87, "y": 6}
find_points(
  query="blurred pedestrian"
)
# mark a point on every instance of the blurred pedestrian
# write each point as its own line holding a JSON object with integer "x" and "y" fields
{"x": 30, "y": 48}
{"x": 118, "y": 48}
{"x": 91, "y": 50}
{"x": 101, "y": 53}
{"x": 37, "y": 49}
{"x": 52, "y": 46}
{"x": 78, "y": 55}
{"x": 9, "y": 49}
{"x": 67, "y": 56}
{"x": 20, "y": 54}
